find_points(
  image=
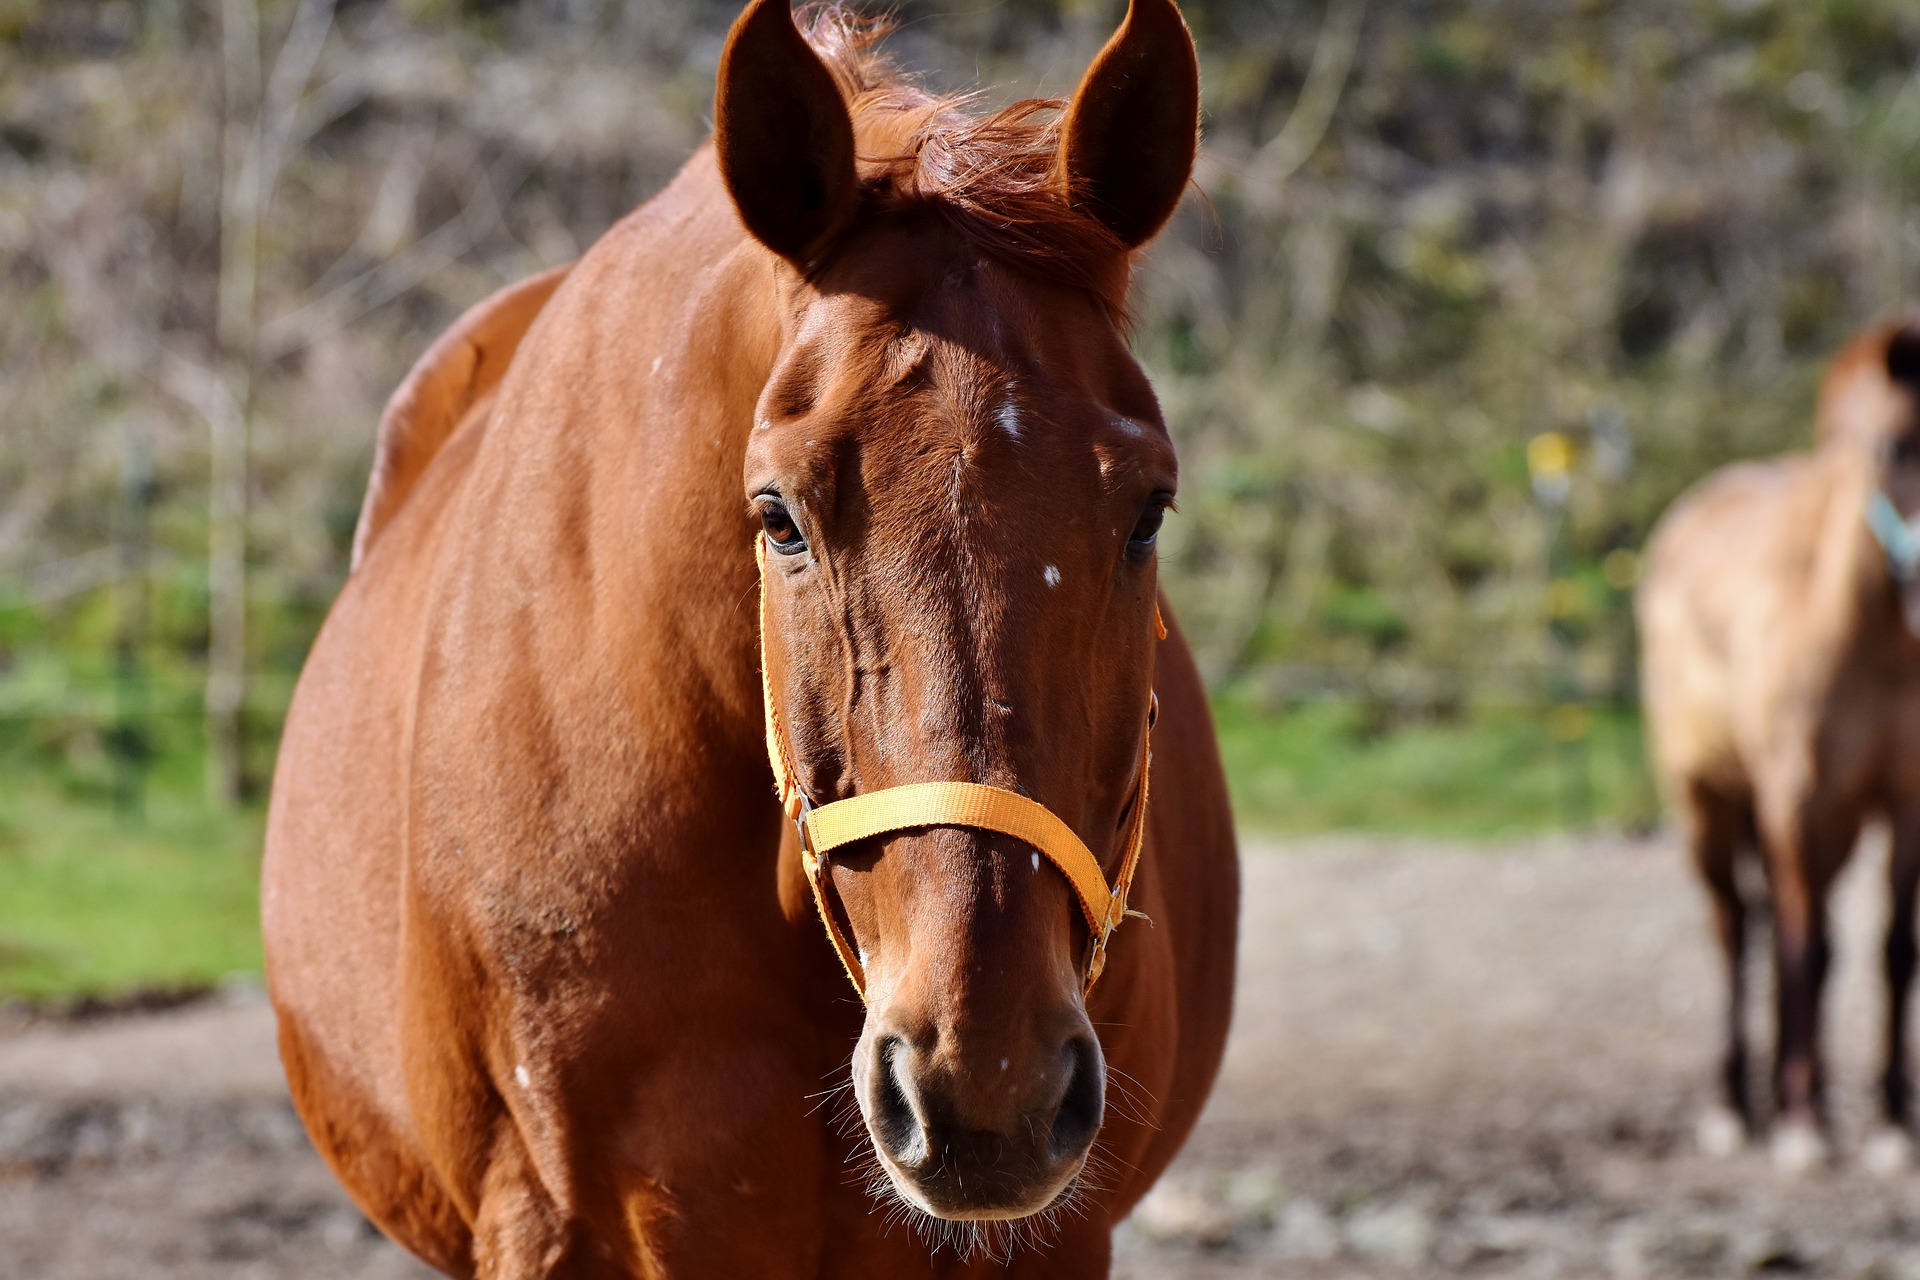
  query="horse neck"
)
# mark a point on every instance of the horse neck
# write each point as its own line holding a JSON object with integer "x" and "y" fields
{"x": 605, "y": 516}
{"x": 1852, "y": 580}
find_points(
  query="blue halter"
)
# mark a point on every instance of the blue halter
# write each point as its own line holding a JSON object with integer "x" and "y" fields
{"x": 1898, "y": 536}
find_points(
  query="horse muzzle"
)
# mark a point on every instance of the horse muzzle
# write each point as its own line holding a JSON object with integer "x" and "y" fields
{"x": 994, "y": 1140}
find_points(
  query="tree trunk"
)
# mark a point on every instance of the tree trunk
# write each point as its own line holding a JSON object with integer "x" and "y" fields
{"x": 228, "y": 425}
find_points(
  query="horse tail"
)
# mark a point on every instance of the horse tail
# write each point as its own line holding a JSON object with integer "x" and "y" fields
{"x": 1871, "y": 384}
{"x": 458, "y": 373}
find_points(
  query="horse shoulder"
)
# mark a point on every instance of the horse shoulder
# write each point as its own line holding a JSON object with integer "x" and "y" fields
{"x": 1710, "y": 562}
{"x": 1727, "y": 528}
{"x": 453, "y": 379}
{"x": 332, "y": 882}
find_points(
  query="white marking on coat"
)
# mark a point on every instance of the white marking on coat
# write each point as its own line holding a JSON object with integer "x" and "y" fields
{"x": 656, "y": 364}
{"x": 1052, "y": 574}
{"x": 1010, "y": 419}
{"x": 1003, "y": 1064}
{"x": 1128, "y": 425}
{"x": 1036, "y": 862}
{"x": 521, "y": 1077}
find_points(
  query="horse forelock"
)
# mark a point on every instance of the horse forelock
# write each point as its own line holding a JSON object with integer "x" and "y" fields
{"x": 994, "y": 177}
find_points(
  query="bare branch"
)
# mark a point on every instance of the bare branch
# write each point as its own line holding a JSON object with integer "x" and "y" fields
{"x": 288, "y": 84}
{"x": 1301, "y": 136}
{"x": 387, "y": 280}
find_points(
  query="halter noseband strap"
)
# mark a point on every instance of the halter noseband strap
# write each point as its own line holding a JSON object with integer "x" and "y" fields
{"x": 827, "y": 827}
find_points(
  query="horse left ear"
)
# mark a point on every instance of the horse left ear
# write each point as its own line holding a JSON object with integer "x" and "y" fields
{"x": 1130, "y": 134}
{"x": 783, "y": 136}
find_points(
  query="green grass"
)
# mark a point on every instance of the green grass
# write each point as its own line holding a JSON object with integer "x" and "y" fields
{"x": 93, "y": 902}
{"x": 1322, "y": 766}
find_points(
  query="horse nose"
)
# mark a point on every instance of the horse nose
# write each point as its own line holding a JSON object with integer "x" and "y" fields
{"x": 1002, "y": 1141}
{"x": 1083, "y": 1103}
{"x": 894, "y": 1110}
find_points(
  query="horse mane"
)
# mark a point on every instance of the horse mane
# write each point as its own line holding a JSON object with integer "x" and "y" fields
{"x": 995, "y": 178}
{"x": 454, "y": 380}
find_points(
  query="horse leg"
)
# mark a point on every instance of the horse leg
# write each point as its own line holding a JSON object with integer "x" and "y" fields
{"x": 1805, "y": 850}
{"x": 1891, "y": 1149}
{"x": 520, "y": 1233}
{"x": 1716, "y": 829}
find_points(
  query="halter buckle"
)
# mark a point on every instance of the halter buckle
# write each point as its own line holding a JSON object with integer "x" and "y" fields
{"x": 799, "y": 812}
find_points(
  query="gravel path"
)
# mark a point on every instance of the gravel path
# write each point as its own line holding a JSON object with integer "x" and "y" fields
{"x": 1447, "y": 1061}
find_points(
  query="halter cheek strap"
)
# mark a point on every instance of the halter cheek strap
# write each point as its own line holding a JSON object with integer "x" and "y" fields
{"x": 1898, "y": 537}
{"x": 827, "y": 827}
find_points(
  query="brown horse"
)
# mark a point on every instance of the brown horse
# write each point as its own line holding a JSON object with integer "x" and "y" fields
{"x": 554, "y": 998}
{"x": 1779, "y": 616}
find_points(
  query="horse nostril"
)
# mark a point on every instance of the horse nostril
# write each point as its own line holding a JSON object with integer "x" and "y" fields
{"x": 893, "y": 1121}
{"x": 1083, "y": 1105}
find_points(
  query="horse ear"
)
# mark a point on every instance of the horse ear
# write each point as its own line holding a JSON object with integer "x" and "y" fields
{"x": 1128, "y": 141}
{"x": 783, "y": 136}
{"x": 1903, "y": 354}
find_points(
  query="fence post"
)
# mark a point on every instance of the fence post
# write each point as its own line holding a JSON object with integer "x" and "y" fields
{"x": 1569, "y": 719}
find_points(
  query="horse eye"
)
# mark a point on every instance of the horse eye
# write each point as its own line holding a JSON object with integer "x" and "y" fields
{"x": 781, "y": 530}
{"x": 1148, "y": 527}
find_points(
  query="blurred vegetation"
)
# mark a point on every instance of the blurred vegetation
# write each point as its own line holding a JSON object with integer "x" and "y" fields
{"x": 103, "y": 889}
{"x": 1340, "y": 765}
{"x": 1433, "y": 234}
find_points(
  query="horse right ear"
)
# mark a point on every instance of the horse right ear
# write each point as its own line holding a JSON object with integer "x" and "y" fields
{"x": 783, "y": 136}
{"x": 1130, "y": 133}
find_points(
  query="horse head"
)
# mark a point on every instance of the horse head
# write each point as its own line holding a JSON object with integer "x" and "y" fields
{"x": 1870, "y": 409}
{"x": 958, "y": 472}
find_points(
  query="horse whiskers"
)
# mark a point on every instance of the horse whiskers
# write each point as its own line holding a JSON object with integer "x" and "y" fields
{"x": 996, "y": 1241}
{"x": 1137, "y": 1103}
{"x": 840, "y": 1096}
{"x": 1132, "y": 1084}
{"x": 847, "y": 1120}
{"x": 1096, "y": 1178}
{"x": 993, "y": 1241}
{"x": 827, "y": 1097}
{"x": 1133, "y": 1114}
{"x": 1110, "y": 1165}
{"x": 1122, "y": 1102}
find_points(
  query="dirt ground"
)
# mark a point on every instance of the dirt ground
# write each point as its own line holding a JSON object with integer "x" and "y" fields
{"x": 1447, "y": 1061}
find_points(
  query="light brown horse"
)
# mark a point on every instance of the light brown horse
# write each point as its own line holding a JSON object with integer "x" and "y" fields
{"x": 554, "y": 998}
{"x": 1779, "y": 616}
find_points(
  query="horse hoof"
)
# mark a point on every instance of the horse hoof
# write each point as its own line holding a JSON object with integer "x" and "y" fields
{"x": 1720, "y": 1132}
{"x": 1798, "y": 1147}
{"x": 1888, "y": 1153}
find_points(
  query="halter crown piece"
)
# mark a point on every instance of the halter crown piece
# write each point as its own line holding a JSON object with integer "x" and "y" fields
{"x": 824, "y": 828}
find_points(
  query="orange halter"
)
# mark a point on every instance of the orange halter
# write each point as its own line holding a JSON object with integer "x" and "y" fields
{"x": 824, "y": 828}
